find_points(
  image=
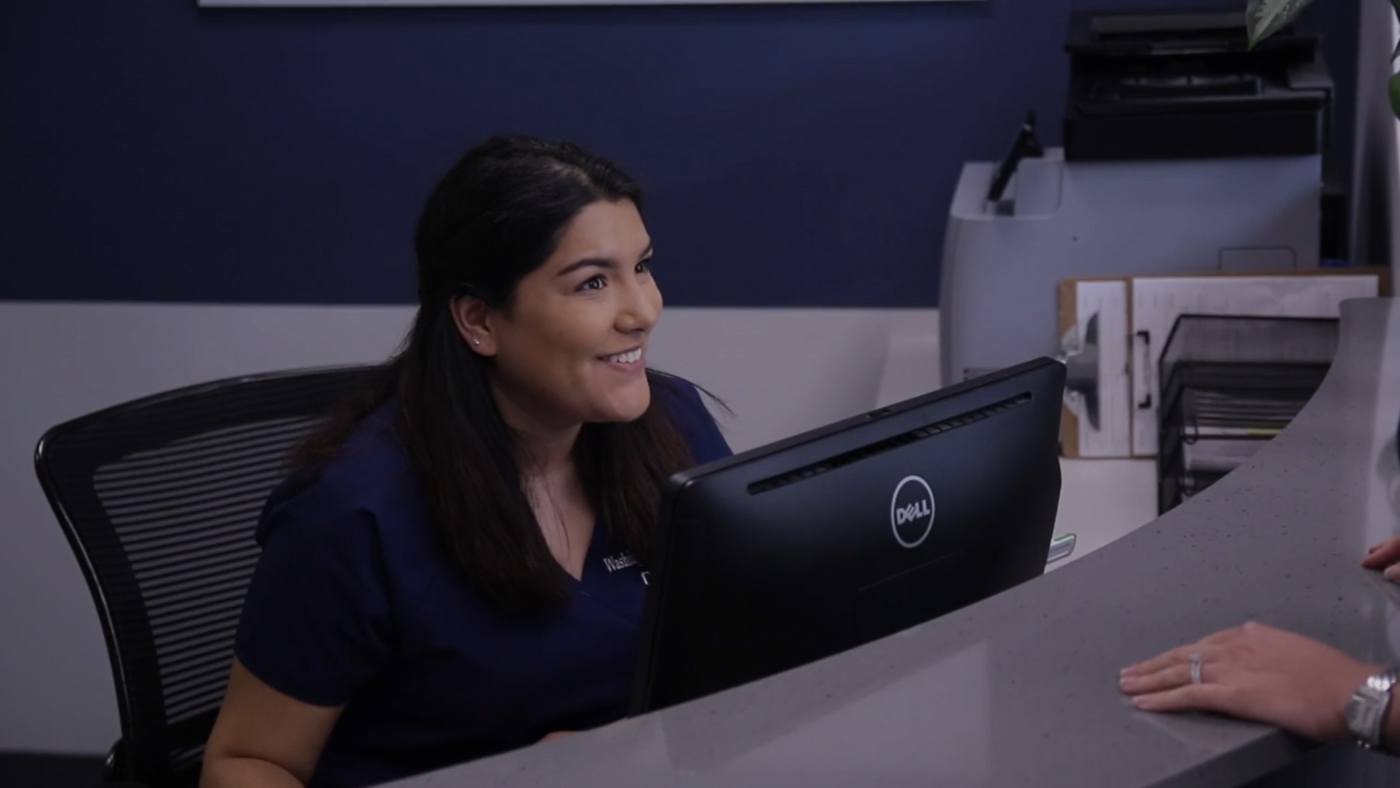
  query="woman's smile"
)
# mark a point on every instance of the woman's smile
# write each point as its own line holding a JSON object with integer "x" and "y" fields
{"x": 630, "y": 361}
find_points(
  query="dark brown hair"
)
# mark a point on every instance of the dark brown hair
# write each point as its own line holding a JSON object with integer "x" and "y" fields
{"x": 496, "y": 216}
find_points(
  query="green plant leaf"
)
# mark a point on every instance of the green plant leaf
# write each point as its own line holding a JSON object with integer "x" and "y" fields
{"x": 1396, "y": 54}
{"x": 1263, "y": 18}
{"x": 1395, "y": 95}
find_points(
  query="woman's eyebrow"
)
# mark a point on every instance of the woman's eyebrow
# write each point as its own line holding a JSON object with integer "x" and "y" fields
{"x": 604, "y": 263}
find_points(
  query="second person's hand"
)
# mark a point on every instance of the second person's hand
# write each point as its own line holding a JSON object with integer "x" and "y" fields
{"x": 1385, "y": 556}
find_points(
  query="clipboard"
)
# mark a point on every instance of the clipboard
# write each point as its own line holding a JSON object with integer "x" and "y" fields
{"x": 1135, "y": 315}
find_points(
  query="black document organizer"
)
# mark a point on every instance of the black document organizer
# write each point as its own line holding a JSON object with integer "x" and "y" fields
{"x": 1229, "y": 384}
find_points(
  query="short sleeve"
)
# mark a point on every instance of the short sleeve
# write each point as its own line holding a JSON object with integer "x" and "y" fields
{"x": 693, "y": 419}
{"x": 316, "y": 620}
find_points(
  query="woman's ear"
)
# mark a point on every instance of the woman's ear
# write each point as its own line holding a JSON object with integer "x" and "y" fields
{"x": 473, "y": 320}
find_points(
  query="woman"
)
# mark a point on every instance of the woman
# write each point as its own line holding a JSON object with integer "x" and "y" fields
{"x": 454, "y": 570}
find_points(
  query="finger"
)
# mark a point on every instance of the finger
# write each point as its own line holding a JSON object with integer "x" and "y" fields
{"x": 1202, "y": 697}
{"x": 1212, "y": 659}
{"x": 1382, "y": 543}
{"x": 1164, "y": 660}
{"x": 1382, "y": 555}
{"x": 1164, "y": 679}
{"x": 1223, "y": 636}
{"x": 1181, "y": 653}
{"x": 1392, "y": 572}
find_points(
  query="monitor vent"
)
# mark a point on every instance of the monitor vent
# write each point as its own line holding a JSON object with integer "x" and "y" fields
{"x": 894, "y": 442}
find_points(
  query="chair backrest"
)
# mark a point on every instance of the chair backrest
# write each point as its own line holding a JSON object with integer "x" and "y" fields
{"x": 159, "y": 499}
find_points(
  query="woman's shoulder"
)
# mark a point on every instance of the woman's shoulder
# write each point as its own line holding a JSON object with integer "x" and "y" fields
{"x": 369, "y": 479}
{"x": 684, "y": 404}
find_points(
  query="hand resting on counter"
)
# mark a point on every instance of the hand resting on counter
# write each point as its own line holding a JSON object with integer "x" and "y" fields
{"x": 1262, "y": 673}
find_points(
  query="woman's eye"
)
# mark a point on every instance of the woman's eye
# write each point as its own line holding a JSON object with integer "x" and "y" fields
{"x": 593, "y": 283}
{"x": 644, "y": 266}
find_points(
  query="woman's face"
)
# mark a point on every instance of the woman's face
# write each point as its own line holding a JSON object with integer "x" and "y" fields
{"x": 572, "y": 346}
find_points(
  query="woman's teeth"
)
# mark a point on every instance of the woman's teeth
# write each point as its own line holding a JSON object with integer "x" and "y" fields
{"x": 630, "y": 357}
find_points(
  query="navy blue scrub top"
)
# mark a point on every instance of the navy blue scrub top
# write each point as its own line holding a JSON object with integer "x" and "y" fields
{"x": 356, "y": 602}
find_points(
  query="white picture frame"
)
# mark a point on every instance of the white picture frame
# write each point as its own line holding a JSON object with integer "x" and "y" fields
{"x": 503, "y": 3}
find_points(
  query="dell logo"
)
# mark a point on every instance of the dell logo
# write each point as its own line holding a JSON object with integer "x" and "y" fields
{"x": 911, "y": 511}
{"x": 907, "y": 514}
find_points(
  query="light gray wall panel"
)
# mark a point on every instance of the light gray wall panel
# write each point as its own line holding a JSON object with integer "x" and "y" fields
{"x": 781, "y": 371}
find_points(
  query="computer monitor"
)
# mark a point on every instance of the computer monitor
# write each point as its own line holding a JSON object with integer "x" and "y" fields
{"x": 797, "y": 550}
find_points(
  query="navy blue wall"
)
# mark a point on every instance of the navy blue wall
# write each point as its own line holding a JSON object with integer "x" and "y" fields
{"x": 793, "y": 155}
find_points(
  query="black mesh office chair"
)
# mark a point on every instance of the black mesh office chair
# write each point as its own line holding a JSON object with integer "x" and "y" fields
{"x": 159, "y": 499}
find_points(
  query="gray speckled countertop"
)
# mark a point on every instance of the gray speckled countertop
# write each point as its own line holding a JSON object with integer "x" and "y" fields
{"x": 1021, "y": 689}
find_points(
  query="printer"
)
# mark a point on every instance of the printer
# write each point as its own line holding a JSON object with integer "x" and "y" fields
{"x": 1184, "y": 152}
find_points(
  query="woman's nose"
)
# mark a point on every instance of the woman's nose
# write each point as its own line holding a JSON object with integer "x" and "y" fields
{"x": 640, "y": 308}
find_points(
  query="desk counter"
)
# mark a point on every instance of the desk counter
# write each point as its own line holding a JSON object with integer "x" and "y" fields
{"x": 1021, "y": 689}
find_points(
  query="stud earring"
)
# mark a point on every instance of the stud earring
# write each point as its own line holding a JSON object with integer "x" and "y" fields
{"x": 476, "y": 341}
